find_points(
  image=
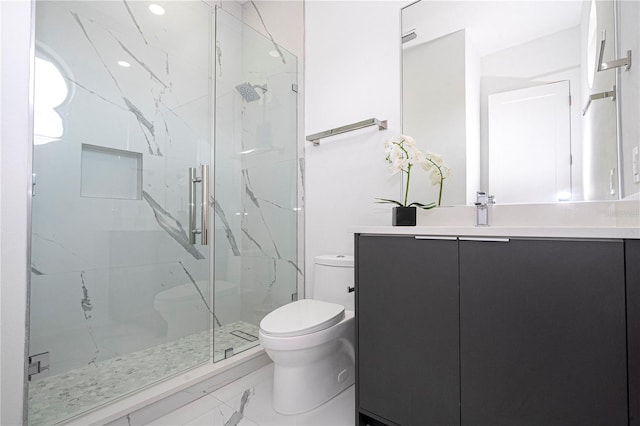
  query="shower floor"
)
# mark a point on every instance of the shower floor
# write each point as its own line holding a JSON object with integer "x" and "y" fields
{"x": 56, "y": 398}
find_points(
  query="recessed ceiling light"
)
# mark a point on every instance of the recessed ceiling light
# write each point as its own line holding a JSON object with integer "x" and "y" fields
{"x": 124, "y": 64}
{"x": 274, "y": 53}
{"x": 156, "y": 8}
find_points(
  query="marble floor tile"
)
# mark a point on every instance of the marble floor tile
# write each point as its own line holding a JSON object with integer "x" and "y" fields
{"x": 222, "y": 415}
{"x": 193, "y": 410}
{"x": 251, "y": 397}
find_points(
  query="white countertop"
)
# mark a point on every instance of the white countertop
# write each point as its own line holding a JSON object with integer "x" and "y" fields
{"x": 504, "y": 231}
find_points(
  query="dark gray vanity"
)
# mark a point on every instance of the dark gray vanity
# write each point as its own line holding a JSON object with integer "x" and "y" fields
{"x": 484, "y": 330}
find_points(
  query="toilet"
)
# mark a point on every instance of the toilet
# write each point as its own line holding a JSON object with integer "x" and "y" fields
{"x": 186, "y": 313}
{"x": 311, "y": 341}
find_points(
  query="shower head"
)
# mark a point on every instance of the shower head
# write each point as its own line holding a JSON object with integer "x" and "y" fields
{"x": 248, "y": 91}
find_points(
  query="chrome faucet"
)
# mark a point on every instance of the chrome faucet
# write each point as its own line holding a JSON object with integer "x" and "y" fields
{"x": 483, "y": 201}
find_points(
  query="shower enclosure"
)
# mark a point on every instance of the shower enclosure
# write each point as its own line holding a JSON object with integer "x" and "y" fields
{"x": 164, "y": 216}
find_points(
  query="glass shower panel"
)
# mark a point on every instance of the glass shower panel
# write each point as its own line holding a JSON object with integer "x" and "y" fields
{"x": 120, "y": 297}
{"x": 256, "y": 166}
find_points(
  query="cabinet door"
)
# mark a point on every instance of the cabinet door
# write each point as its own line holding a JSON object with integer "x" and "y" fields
{"x": 542, "y": 332}
{"x": 407, "y": 329}
{"x": 632, "y": 252}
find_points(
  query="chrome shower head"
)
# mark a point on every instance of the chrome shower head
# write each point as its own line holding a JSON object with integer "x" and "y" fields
{"x": 248, "y": 91}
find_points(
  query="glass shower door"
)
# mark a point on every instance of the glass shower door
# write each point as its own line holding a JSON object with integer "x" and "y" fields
{"x": 256, "y": 175}
{"x": 120, "y": 291}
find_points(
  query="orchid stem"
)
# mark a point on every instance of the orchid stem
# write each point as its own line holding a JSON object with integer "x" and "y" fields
{"x": 406, "y": 191}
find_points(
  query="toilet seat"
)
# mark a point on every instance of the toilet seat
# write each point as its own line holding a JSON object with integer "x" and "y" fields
{"x": 302, "y": 317}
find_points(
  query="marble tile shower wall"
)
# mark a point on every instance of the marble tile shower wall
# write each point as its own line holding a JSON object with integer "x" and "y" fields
{"x": 97, "y": 263}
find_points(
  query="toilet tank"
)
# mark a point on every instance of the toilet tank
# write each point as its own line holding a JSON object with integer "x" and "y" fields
{"x": 334, "y": 276}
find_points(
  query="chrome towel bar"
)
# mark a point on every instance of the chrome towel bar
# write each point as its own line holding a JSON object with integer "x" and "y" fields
{"x": 315, "y": 138}
{"x": 601, "y": 95}
{"x": 622, "y": 62}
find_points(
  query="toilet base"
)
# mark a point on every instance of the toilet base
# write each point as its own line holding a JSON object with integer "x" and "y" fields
{"x": 301, "y": 388}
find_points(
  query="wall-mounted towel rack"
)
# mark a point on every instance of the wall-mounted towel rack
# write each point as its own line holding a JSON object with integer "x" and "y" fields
{"x": 622, "y": 62}
{"x": 601, "y": 95}
{"x": 315, "y": 138}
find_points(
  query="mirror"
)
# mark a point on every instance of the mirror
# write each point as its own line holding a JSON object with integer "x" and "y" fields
{"x": 510, "y": 94}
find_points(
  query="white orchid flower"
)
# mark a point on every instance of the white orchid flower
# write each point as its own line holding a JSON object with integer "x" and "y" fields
{"x": 436, "y": 158}
{"x": 417, "y": 157}
{"x": 408, "y": 141}
{"x": 426, "y": 164}
{"x": 402, "y": 154}
{"x": 435, "y": 176}
{"x": 400, "y": 164}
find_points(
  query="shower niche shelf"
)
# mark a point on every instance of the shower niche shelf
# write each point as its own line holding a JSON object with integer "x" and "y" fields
{"x": 110, "y": 173}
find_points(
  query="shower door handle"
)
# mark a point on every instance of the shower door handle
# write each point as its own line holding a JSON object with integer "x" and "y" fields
{"x": 204, "y": 180}
{"x": 204, "y": 235}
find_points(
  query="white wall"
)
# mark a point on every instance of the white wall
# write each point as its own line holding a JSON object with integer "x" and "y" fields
{"x": 15, "y": 193}
{"x": 629, "y": 92}
{"x": 599, "y": 123}
{"x": 352, "y": 73}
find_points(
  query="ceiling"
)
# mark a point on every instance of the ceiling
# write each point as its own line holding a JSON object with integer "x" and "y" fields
{"x": 491, "y": 25}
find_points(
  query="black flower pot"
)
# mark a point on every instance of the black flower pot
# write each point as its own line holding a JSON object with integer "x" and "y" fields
{"x": 404, "y": 216}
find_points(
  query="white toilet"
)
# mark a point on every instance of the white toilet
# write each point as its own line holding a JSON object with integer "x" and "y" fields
{"x": 311, "y": 341}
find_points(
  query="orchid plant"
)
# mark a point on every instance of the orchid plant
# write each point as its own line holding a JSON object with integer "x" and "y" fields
{"x": 402, "y": 156}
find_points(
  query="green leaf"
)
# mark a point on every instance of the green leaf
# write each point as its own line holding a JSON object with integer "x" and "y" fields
{"x": 423, "y": 206}
{"x": 384, "y": 200}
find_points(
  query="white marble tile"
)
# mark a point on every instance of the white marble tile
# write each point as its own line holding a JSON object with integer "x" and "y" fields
{"x": 339, "y": 411}
{"x": 176, "y": 392}
{"x": 223, "y": 415}
{"x": 196, "y": 409}
{"x": 256, "y": 388}
{"x": 261, "y": 379}
{"x": 204, "y": 411}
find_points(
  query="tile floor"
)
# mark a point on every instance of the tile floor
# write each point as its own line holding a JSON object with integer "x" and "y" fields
{"x": 247, "y": 402}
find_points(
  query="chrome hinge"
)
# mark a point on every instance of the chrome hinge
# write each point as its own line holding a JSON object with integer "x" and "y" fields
{"x": 33, "y": 184}
{"x": 38, "y": 366}
{"x": 294, "y": 297}
{"x": 294, "y": 87}
{"x": 228, "y": 353}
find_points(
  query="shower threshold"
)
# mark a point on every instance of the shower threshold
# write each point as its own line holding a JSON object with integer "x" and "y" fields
{"x": 59, "y": 398}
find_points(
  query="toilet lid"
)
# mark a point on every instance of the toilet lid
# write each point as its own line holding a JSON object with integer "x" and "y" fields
{"x": 302, "y": 317}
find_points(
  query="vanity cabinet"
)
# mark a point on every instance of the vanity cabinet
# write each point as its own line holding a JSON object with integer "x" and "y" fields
{"x": 407, "y": 331}
{"x": 513, "y": 331}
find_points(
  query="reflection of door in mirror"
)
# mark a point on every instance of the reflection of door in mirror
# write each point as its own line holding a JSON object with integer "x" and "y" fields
{"x": 530, "y": 144}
